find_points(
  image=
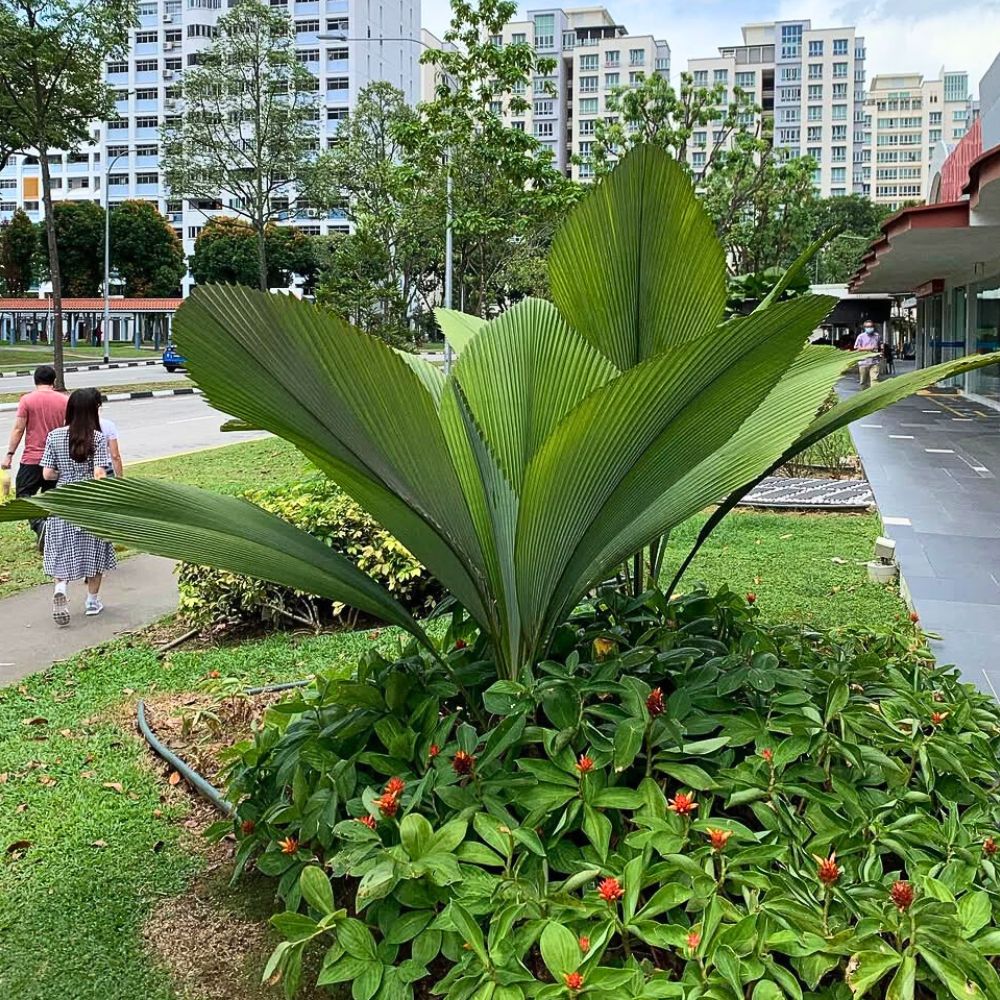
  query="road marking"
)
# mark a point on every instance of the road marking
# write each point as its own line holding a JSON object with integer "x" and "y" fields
{"x": 874, "y": 427}
{"x": 979, "y": 468}
{"x": 940, "y": 451}
{"x": 903, "y": 522}
{"x": 191, "y": 420}
{"x": 901, "y": 437}
{"x": 935, "y": 412}
{"x": 962, "y": 420}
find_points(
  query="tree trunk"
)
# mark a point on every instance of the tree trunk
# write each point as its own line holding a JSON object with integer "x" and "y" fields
{"x": 261, "y": 257}
{"x": 54, "y": 273}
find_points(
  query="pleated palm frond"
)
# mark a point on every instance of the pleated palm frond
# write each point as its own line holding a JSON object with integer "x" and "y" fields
{"x": 568, "y": 435}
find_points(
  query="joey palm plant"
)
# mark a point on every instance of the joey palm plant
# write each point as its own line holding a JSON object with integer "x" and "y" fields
{"x": 569, "y": 435}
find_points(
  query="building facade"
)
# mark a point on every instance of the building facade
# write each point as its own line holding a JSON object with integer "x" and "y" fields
{"x": 338, "y": 40}
{"x": 811, "y": 83}
{"x": 594, "y": 56}
{"x": 910, "y": 117}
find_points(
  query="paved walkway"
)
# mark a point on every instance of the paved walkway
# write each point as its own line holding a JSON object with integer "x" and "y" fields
{"x": 142, "y": 589}
{"x": 934, "y": 462}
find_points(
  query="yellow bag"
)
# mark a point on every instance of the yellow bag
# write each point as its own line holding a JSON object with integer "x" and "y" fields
{"x": 6, "y": 490}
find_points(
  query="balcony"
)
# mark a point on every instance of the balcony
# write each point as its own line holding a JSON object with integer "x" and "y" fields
{"x": 307, "y": 7}
{"x": 147, "y": 133}
{"x": 75, "y": 168}
{"x": 337, "y": 65}
{"x": 147, "y": 189}
{"x": 337, "y": 6}
{"x": 147, "y": 162}
{"x": 148, "y": 106}
{"x": 147, "y": 76}
{"x": 145, "y": 49}
{"x": 307, "y": 38}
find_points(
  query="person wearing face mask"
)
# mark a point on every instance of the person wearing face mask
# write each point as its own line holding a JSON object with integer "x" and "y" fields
{"x": 867, "y": 341}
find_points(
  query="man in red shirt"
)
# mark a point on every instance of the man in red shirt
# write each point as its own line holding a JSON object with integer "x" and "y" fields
{"x": 38, "y": 412}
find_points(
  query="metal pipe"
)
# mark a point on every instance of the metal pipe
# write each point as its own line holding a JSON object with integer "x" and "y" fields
{"x": 448, "y": 266}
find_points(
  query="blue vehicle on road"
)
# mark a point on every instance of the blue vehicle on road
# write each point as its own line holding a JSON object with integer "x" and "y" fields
{"x": 171, "y": 359}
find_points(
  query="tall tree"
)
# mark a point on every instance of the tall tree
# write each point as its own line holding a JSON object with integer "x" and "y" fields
{"x": 857, "y": 219}
{"x": 756, "y": 195}
{"x": 52, "y": 87}
{"x": 18, "y": 246}
{"x": 225, "y": 252}
{"x": 145, "y": 251}
{"x": 247, "y": 126}
{"x": 79, "y": 227}
{"x": 506, "y": 187}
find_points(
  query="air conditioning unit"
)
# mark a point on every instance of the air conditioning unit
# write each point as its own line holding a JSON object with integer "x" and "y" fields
{"x": 168, "y": 74}
{"x": 168, "y": 46}
{"x": 170, "y": 104}
{"x": 167, "y": 18}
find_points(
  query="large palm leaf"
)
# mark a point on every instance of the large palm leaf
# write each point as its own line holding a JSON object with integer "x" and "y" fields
{"x": 566, "y": 437}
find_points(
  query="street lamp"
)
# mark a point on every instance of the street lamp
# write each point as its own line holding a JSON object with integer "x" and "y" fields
{"x": 106, "y": 326}
{"x": 340, "y": 36}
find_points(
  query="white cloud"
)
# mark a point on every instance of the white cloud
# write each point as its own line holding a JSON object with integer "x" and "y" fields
{"x": 915, "y": 36}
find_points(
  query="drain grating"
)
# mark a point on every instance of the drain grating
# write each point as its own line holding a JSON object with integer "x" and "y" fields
{"x": 811, "y": 494}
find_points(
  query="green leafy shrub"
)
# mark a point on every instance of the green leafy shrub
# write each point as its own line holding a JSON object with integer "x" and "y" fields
{"x": 318, "y": 507}
{"x": 679, "y": 802}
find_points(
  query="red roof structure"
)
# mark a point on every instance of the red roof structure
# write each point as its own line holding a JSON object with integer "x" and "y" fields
{"x": 92, "y": 305}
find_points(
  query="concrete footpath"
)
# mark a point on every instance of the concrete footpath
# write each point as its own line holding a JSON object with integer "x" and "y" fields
{"x": 142, "y": 589}
{"x": 933, "y": 461}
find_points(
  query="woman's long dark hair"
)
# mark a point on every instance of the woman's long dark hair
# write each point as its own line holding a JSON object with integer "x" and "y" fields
{"x": 83, "y": 421}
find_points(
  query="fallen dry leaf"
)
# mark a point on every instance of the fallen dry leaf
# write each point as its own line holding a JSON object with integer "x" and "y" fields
{"x": 21, "y": 807}
{"x": 115, "y": 786}
{"x": 4, "y": 777}
{"x": 48, "y": 781}
{"x": 89, "y": 775}
{"x": 37, "y": 720}
{"x": 174, "y": 778}
{"x": 66, "y": 733}
{"x": 99, "y": 843}
{"x": 17, "y": 846}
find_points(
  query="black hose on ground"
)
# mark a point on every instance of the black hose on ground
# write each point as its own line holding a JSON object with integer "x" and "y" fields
{"x": 197, "y": 781}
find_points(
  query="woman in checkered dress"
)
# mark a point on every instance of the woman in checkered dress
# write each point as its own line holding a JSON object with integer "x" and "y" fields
{"x": 73, "y": 453}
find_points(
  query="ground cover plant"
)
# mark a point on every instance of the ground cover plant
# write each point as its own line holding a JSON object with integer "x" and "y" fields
{"x": 680, "y": 801}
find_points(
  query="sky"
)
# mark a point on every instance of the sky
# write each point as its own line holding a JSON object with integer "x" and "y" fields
{"x": 901, "y": 35}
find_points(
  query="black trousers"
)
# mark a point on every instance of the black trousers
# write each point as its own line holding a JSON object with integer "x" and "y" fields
{"x": 29, "y": 482}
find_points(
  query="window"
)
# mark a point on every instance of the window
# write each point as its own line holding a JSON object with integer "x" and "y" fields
{"x": 637, "y": 57}
{"x": 337, "y": 83}
{"x": 935, "y": 135}
{"x": 146, "y": 94}
{"x": 337, "y": 55}
{"x": 146, "y": 65}
{"x": 519, "y": 126}
{"x": 838, "y": 154}
{"x": 116, "y": 124}
{"x": 193, "y": 232}
{"x": 147, "y": 122}
{"x": 588, "y": 84}
{"x": 816, "y": 47}
{"x": 588, "y": 62}
{"x": 636, "y": 78}
{"x": 118, "y": 67}
{"x": 147, "y": 150}
{"x": 746, "y": 80}
{"x": 611, "y": 80}
{"x": 173, "y": 63}
{"x": 114, "y": 151}
{"x": 790, "y": 74}
{"x": 956, "y": 86}
{"x": 839, "y": 133}
{"x": 306, "y": 27}
{"x": 815, "y": 71}
{"x": 840, "y": 112}
{"x": 588, "y": 106}
{"x": 146, "y": 9}
{"x": 816, "y": 152}
{"x": 815, "y": 113}
{"x": 544, "y": 130}
{"x": 838, "y": 175}
{"x": 699, "y": 138}
{"x": 815, "y": 92}
{"x": 586, "y": 126}
{"x": 788, "y": 135}
{"x": 338, "y": 24}
{"x": 545, "y": 28}
{"x": 308, "y": 56}
{"x": 146, "y": 38}
{"x": 791, "y": 41}
{"x": 569, "y": 39}
{"x": 496, "y": 41}
{"x": 518, "y": 38}
{"x": 174, "y": 35}
{"x": 586, "y": 171}
{"x": 496, "y": 108}
{"x": 698, "y": 160}
{"x": 840, "y": 46}
{"x": 840, "y": 71}
{"x": 200, "y": 31}
{"x": 934, "y": 118}
{"x": 147, "y": 178}
{"x": 338, "y": 114}
{"x": 791, "y": 94}
{"x": 789, "y": 116}
{"x": 814, "y": 133}
{"x": 957, "y": 133}
{"x": 721, "y": 76}
{"x": 544, "y": 107}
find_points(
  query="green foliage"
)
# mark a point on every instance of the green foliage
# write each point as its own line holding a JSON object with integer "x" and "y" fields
{"x": 321, "y": 509}
{"x": 568, "y": 436}
{"x": 681, "y": 801}
{"x": 745, "y": 291}
{"x": 248, "y": 75}
{"x": 18, "y": 246}
{"x": 145, "y": 250}
{"x": 80, "y": 238}
{"x": 225, "y": 252}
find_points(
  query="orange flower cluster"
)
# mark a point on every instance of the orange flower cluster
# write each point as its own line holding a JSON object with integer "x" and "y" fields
{"x": 574, "y": 981}
{"x": 248, "y": 826}
{"x": 463, "y": 763}
{"x": 693, "y": 940}
{"x": 368, "y": 821}
{"x": 434, "y": 750}
{"x": 827, "y": 870}
{"x": 682, "y": 804}
{"x": 654, "y": 703}
{"x": 751, "y": 598}
{"x": 289, "y": 845}
{"x": 584, "y": 764}
{"x": 610, "y": 889}
{"x": 388, "y": 801}
{"x": 990, "y": 846}
{"x": 718, "y": 838}
{"x": 584, "y": 943}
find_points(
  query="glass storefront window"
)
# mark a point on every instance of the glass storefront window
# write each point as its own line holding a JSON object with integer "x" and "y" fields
{"x": 985, "y": 382}
{"x": 953, "y": 344}
{"x": 930, "y": 315}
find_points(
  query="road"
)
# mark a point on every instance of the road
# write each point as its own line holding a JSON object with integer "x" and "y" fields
{"x": 107, "y": 377}
{"x": 157, "y": 428}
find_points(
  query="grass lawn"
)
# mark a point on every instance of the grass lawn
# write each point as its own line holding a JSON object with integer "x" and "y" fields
{"x": 230, "y": 469}
{"x": 177, "y": 383}
{"x": 25, "y": 354}
{"x": 83, "y": 862}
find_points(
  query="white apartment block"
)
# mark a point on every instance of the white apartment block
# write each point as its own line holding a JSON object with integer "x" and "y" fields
{"x": 124, "y": 154}
{"x": 811, "y": 83}
{"x": 594, "y": 56}
{"x": 909, "y": 117}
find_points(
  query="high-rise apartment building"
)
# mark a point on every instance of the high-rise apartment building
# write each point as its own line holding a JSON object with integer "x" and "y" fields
{"x": 337, "y": 40}
{"x": 909, "y": 117}
{"x": 811, "y": 83}
{"x": 594, "y": 56}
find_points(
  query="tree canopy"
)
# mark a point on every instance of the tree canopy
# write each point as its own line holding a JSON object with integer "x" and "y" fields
{"x": 18, "y": 248}
{"x": 145, "y": 250}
